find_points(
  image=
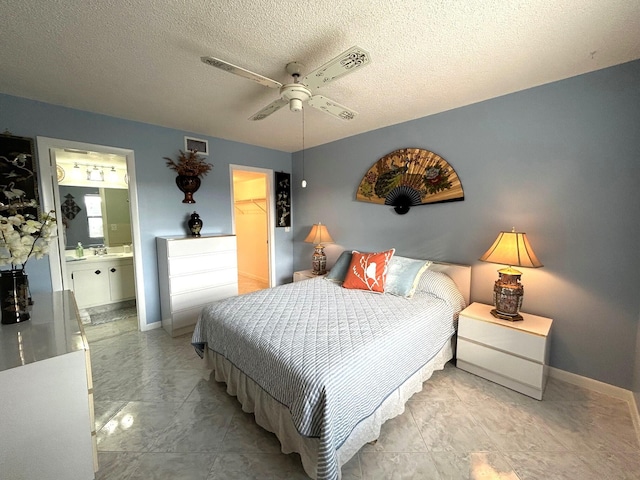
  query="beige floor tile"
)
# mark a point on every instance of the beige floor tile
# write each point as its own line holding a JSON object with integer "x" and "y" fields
{"x": 459, "y": 426}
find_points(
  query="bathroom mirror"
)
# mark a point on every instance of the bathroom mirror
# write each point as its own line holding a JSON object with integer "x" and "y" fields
{"x": 95, "y": 216}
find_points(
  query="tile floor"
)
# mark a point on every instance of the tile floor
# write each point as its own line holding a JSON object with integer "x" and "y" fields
{"x": 159, "y": 416}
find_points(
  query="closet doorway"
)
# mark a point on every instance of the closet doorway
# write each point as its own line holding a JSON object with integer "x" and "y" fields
{"x": 253, "y": 226}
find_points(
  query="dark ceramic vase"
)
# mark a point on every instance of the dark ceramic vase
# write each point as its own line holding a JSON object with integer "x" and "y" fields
{"x": 195, "y": 224}
{"x": 188, "y": 184}
{"x": 14, "y": 296}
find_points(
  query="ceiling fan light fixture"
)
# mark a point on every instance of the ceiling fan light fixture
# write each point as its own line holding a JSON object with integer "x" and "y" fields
{"x": 295, "y": 104}
{"x": 295, "y": 94}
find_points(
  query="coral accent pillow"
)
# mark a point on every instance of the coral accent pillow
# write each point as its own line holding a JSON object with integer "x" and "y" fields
{"x": 368, "y": 271}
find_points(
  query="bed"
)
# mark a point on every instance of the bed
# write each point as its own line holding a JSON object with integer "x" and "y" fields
{"x": 322, "y": 366}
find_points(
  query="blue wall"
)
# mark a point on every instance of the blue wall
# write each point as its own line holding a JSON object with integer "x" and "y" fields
{"x": 160, "y": 208}
{"x": 560, "y": 162}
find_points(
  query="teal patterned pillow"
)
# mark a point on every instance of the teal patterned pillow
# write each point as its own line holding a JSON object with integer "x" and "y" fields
{"x": 339, "y": 269}
{"x": 404, "y": 275}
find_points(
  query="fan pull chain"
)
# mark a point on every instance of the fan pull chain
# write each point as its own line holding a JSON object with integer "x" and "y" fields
{"x": 304, "y": 182}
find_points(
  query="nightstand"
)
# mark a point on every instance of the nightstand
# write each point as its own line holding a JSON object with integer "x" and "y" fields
{"x": 305, "y": 275}
{"x": 513, "y": 354}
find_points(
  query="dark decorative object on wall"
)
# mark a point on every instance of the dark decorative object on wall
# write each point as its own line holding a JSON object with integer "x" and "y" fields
{"x": 70, "y": 208}
{"x": 18, "y": 181}
{"x": 195, "y": 224}
{"x": 190, "y": 167}
{"x": 188, "y": 185}
{"x": 409, "y": 177}
{"x": 14, "y": 288}
{"x": 283, "y": 199}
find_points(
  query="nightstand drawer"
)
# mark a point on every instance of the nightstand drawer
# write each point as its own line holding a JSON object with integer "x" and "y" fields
{"x": 501, "y": 363}
{"x": 510, "y": 340}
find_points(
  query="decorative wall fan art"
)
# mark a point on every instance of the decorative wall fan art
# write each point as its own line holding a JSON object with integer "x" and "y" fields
{"x": 409, "y": 177}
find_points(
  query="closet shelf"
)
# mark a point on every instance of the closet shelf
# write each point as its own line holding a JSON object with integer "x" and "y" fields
{"x": 246, "y": 206}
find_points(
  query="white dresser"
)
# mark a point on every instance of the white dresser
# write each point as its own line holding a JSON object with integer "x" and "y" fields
{"x": 513, "y": 354}
{"x": 46, "y": 394}
{"x": 192, "y": 272}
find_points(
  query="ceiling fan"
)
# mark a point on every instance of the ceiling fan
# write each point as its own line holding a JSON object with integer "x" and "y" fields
{"x": 300, "y": 91}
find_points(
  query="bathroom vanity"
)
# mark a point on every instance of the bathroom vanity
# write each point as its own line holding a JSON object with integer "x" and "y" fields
{"x": 101, "y": 279}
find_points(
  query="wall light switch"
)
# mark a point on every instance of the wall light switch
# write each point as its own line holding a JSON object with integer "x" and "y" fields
{"x": 287, "y": 229}
{"x": 114, "y": 227}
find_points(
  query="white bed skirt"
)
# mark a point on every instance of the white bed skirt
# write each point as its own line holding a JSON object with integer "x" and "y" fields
{"x": 275, "y": 417}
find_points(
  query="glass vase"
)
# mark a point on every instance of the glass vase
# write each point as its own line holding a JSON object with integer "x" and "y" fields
{"x": 14, "y": 296}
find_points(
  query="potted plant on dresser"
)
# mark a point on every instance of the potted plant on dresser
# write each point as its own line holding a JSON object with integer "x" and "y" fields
{"x": 190, "y": 167}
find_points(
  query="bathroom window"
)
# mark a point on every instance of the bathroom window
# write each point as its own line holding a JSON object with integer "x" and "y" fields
{"x": 93, "y": 203}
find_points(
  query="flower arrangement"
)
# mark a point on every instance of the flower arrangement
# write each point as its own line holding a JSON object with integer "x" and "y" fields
{"x": 23, "y": 237}
{"x": 190, "y": 164}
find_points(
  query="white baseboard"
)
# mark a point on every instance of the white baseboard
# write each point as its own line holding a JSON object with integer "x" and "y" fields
{"x": 151, "y": 326}
{"x": 604, "y": 388}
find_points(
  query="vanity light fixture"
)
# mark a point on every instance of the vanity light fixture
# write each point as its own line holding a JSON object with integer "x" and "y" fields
{"x": 112, "y": 175}
{"x": 76, "y": 173}
{"x": 96, "y": 174}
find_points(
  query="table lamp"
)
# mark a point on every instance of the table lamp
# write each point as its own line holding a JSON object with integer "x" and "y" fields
{"x": 512, "y": 249}
{"x": 319, "y": 235}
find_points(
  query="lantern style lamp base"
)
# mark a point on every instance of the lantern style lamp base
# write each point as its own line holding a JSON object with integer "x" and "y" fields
{"x": 507, "y": 295}
{"x": 319, "y": 261}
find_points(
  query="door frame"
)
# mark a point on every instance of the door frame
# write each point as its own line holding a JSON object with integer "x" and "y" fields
{"x": 271, "y": 216}
{"x": 50, "y": 198}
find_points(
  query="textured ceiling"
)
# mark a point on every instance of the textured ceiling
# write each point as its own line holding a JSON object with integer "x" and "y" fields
{"x": 141, "y": 59}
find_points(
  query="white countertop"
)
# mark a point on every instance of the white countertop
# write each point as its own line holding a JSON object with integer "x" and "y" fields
{"x": 98, "y": 258}
{"x": 53, "y": 329}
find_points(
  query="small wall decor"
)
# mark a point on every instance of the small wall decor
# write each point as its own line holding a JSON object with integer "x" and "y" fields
{"x": 69, "y": 207}
{"x": 18, "y": 181}
{"x": 283, "y": 199}
{"x": 190, "y": 167}
{"x": 409, "y": 177}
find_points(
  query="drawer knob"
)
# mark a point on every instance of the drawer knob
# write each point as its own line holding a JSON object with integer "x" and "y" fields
{"x": 113, "y": 270}
{"x": 97, "y": 272}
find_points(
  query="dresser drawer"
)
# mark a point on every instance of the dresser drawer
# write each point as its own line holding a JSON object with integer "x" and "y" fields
{"x": 202, "y": 245}
{"x": 194, "y": 298}
{"x": 204, "y": 263}
{"x": 187, "y": 283}
{"x": 510, "y": 340}
{"x": 509, "y": 366}
{"x": 186, "y": 318}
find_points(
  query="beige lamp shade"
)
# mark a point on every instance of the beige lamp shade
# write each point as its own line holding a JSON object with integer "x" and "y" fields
{"x": 513, "y": 249}
{"x": 319, "y": 235}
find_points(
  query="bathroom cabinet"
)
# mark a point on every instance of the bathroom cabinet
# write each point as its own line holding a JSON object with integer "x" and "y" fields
{"x": 102, "y": 280}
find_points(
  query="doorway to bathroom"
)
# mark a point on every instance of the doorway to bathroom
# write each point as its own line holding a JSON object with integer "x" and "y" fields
{"x": 93, "y": 192}
{"x": 253, "y": 226}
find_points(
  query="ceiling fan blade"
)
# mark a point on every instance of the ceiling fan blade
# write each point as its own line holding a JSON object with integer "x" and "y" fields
{"x": 269, "y": 109}
{"x": 332, "y": 108}
{"x": 347, "y": 62}
{"x": 231, "y": 68}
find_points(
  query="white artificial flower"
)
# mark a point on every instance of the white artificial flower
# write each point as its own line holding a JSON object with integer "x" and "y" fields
{"x": 23, "y": 237}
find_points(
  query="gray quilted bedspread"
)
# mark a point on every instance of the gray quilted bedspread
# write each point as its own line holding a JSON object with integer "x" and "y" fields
{"x": 329, "y": 354}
